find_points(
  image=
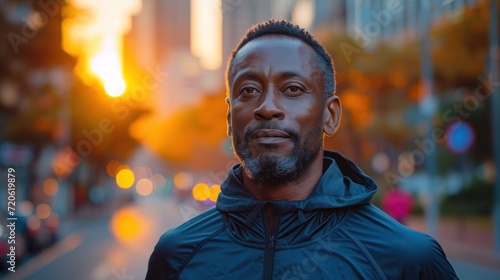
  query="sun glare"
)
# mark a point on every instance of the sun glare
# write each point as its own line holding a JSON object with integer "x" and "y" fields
{"x": 106, "y": 65}
{"x": 95, "y": 38}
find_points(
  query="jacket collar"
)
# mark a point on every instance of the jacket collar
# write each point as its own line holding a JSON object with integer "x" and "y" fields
{"x": 343, "y": 184}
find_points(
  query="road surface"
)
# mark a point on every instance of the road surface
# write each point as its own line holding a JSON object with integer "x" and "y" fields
{"x": 111, "y": 247}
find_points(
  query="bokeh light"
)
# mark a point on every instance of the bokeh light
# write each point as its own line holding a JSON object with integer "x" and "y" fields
{"x": 33, "y": 223}
{"x": 26, "y": 208}
{"x": 112, "y": 167}
{"x": 380, "y": 162}
{"x": 459, "y": 137}
{"x": 183, "y": 180}
{"x": 144, "y": 187}
{"x": 159, "y": 181}
{"x": 127, "y": 225}
{"x": 214, "y": 192}
{"x": 50, "y": 186}
{"x": 52, "y": 220}
{"x": 201, "y": 192}
{"x": 142, "y": 172}
{"x": 43, "y": 211}
{"x": 166, "y": 188}
{"x": 125, "y": 178}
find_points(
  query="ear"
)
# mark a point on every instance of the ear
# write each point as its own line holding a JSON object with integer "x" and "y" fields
{"x": 331, "y": 115}
{"x": 228, "y": 118}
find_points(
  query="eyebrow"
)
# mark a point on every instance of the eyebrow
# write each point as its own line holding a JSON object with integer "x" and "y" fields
{"x": 246, "y": 75}
{"x": 255, "y": 76}
{"x": 289, "y": 74}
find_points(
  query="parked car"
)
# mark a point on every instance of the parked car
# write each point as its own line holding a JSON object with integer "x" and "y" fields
{"x": 41, "y": 233}
{"x": 32, "y": 235}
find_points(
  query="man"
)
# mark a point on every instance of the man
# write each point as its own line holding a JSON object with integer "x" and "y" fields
{"x": 290, "y": 209}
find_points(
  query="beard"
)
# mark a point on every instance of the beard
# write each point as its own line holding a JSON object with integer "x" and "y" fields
{"x": 274, "y": 169}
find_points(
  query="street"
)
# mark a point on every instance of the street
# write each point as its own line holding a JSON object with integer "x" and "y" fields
{"x": 111, "y": 247}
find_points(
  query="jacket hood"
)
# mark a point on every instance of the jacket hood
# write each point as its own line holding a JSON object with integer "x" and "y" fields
{"x": 343, "y": 184}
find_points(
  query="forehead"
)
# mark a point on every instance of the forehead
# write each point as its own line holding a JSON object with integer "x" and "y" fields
{"x": 276, "y": 51}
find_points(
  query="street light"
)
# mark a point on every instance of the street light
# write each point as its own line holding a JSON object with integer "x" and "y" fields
{"x": 428, "y": 107}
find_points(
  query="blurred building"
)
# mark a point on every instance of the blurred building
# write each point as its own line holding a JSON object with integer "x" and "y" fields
{"x": 330, "y": 13}
{"x": 160, "y": 41}
{"x": 161, "y": 30}
{"x": 381, "y": 19}
{"x": 238, "y": 16}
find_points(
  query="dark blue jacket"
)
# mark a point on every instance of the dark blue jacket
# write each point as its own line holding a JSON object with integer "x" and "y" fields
{"x": 334, "y": 234}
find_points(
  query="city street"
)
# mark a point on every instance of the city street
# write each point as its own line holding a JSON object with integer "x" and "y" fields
{"x": 117, "y": 246}
{"x": 119, "y": 120}
{"x": 108, "y": 247}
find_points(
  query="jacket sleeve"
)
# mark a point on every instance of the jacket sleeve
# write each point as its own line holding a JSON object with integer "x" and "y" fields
{"x": 159, "y": 267}
{"x": 431, "y": 263}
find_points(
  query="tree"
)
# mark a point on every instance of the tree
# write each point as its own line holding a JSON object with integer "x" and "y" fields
{"x": 97, "y": 132}
{"x": 100, "y": 126}
{"x": 194, "y": 137}
{"x": 460, "y": 48}
{"x": 375, "y": 86}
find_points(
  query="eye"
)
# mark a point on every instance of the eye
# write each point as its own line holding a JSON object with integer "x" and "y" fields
{"x": 293, "y": 90}
{"x": 249, "y": 91}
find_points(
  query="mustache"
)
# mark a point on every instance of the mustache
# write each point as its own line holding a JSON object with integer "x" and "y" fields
{"x": 294, "y": 136}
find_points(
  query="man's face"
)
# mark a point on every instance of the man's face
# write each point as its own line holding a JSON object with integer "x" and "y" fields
{"x": 276, "y": 108}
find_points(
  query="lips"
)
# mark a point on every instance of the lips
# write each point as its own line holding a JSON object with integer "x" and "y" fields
{"x": 269, "y": 133}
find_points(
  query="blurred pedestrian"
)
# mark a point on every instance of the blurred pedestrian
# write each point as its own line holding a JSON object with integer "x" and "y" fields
{"x": 398, "y": 203}
{"x": 290, "y": 209}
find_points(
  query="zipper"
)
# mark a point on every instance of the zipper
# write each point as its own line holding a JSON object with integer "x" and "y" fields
{"x": 271, "y": 241}
{"x": 269, "y": 259}
{"x": 270, "y": 245}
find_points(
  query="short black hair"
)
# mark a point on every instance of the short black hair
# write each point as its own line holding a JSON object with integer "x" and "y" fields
{"x": 283, "y": 27}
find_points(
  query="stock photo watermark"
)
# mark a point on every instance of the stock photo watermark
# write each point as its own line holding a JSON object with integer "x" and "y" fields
{"x": 11, "y": 219}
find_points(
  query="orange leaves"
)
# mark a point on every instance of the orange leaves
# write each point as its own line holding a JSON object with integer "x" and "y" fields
{"x": 460, "y": 47}
{"x": 359, "y": 107}
{"x": 181, "y": 137}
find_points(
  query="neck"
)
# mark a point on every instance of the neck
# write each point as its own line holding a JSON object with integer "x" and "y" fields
{"x": 299, "y": 189}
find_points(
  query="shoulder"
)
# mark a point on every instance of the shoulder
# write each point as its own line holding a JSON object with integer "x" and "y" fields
{"x": 397, "y": 249}
{"x": 179, "y": 244}
{"x": 191, "y": 233}
{"x": 420, "y": 254}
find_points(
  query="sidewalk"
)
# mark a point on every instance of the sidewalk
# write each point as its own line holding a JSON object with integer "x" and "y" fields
{"x": 469, "y": 247}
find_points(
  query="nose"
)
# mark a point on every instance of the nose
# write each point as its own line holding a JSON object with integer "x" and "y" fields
{"x": 269, "y": 108}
